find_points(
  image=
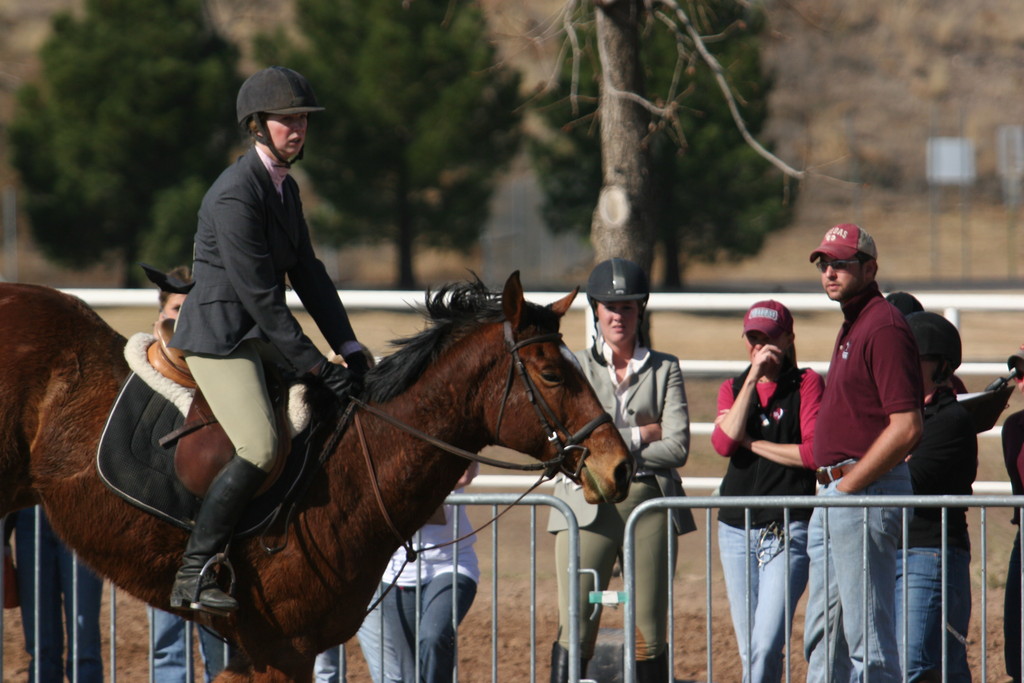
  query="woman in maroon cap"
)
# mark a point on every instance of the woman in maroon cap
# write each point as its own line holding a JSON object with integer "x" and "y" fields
{"x": 765, "y": 426}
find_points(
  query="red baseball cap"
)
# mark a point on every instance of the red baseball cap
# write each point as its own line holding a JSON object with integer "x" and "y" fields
{"x": 769, "y": 317}
{"x": 844, "y": 241}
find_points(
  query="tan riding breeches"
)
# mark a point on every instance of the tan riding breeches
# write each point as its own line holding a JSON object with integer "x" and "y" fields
{"x": 236, "y": 389}
{"x": 600, "y": 545}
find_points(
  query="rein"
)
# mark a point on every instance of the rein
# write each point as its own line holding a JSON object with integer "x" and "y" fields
{"x": 445, "y": 446}
{"x": 410, "y": 552}
{"x": 546, "y": 416}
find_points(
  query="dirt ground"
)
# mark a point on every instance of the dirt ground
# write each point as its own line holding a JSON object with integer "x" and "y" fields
{"x": 524, "y": 636}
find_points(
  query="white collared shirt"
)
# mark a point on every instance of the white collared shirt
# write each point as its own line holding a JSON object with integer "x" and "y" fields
{"x": 641, "y": 354}
{"x": 277, "y": 171}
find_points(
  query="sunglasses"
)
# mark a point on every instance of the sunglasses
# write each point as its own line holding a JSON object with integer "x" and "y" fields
{"x": 837, "y": 265}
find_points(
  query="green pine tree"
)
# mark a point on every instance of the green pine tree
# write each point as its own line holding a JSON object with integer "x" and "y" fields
{"x": 419, "y": 120}
{"x": 712, "y": 195}
{"x": 132, "y": 112}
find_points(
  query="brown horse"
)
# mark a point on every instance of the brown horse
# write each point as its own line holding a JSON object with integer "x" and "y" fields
{"x": 61, "y": 368}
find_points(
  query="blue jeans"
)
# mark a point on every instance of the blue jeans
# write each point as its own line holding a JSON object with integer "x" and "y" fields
{"x": 839, "y": 605}
{"x": 169, "y": 651}
{"x": 436, "y": 631}
{"x": 924, "y": 612}
{"x": 764, "y": 553}
{"x": 57, "y": 575}
{"x": 327, "y": 667}
{"x": 1011, "y": 614}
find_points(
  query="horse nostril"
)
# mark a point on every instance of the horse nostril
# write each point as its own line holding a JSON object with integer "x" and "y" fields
{"x": 623, "y": 474}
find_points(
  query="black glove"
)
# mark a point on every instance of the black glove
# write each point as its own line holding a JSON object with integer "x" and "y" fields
{"x": 357, "y": 364}
{"x": 342, "y": 381}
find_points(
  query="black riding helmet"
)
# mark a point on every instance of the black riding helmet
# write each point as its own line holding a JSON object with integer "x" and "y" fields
{"x": 274, "y": 90}
{"x": 617, "y": 279}
{"x": 938, "y": 337}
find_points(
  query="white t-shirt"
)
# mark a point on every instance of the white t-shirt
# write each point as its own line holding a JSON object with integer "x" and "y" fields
{"x": 433, "y": 561}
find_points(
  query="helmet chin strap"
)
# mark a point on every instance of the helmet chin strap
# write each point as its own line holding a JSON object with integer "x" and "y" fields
{"x": 263, "y": 136}
{"x": 598, "y": 338}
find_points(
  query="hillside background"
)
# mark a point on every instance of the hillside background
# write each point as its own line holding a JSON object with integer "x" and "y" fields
{"x": 859, "y": 87}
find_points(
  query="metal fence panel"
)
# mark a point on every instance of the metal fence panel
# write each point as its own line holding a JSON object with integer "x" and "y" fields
{"x": 494, "y": 504}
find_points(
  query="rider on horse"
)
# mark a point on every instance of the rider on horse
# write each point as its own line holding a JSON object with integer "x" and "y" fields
{"x": 251, "y": 235}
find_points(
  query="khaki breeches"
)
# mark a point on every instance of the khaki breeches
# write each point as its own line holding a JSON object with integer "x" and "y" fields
{"x": 236, "y": 389}
{"x": 600, "y": 545}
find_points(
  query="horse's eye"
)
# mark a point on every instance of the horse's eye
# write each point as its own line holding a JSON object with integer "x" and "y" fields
{"x": 551, "y": 377}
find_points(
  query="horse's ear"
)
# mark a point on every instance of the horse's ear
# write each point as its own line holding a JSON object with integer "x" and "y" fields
{"x": 563, "y": 304}
{"x": 512, "y": 299}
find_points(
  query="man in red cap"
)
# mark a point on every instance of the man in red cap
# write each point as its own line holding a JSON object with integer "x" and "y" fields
{"x": 870, "y": 419}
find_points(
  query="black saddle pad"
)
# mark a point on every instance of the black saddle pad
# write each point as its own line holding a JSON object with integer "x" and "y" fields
{"x": 133, "y": 464}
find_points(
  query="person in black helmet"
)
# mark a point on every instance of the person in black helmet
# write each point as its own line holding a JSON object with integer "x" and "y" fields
{"x": 252, "y": 236}
{"x": 643, "y": 391}
{"x": 908, "y": 304}
{"x": 944, "y": 462}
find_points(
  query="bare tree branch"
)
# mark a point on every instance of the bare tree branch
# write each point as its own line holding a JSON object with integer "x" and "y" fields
{"x": 570, "y": 32}
{"x": 663, "y": 112}
{"x": 723, "y": 85}
{"x": 674, "y": 17}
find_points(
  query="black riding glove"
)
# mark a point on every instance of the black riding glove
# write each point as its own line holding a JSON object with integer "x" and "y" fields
{"x": 357, "y": 364}
{"x": 342, "y": 381}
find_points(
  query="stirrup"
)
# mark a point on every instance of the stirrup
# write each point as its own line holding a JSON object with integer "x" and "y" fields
{"x": 196, "y": 601}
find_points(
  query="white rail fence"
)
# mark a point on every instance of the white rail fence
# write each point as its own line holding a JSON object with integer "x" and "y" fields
{"x": 951, "y": 303}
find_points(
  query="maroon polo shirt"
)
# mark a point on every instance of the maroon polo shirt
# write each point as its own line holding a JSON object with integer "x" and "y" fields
{"x": 874, "y": 372}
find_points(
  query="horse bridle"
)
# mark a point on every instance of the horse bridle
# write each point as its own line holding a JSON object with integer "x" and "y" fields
{"x": 552, "y": 426}
{"x": 572, "y": 442}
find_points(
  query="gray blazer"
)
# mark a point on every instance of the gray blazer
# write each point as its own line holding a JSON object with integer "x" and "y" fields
{"x": 247, "y": 241}
{"x": 657, "y": 394}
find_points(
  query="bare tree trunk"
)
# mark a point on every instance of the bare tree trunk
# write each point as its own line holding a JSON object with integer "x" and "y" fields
{"x": 621, "y": 224}
{"x": 673, "y": 277}
{"x": 406, "y": 233}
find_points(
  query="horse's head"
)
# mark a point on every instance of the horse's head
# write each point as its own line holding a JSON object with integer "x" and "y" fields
{"x": 548, "y": 408}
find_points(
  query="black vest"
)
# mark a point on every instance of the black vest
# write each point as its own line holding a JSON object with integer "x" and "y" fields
{"x": 751, "y": 475}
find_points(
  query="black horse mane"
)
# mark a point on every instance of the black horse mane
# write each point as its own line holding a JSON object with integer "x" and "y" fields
{"x": 453, "y": 311}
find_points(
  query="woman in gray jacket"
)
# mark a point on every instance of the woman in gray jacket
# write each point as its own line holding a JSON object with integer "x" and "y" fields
{"x": 251, "y": 236}
{"x": 643, "y": 391}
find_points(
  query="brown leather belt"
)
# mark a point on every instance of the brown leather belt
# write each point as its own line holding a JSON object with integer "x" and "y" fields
{"x": 827, "y": 475}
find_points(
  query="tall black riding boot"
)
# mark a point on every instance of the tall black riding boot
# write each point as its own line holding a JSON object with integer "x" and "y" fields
{"x": 653, "y": 670}
{"x": 227, "y": 496}
{"x": 560, "y": 664}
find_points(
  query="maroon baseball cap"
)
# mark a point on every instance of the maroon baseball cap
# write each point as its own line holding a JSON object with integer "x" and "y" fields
{"x": 769, "y": 317}
{"x": 844, "y": 241}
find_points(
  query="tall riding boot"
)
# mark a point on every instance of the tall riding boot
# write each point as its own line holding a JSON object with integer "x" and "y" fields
{"x": 225, "y": 500}
{"x": 560, "y": 664}
{"x": 653, "y": 670}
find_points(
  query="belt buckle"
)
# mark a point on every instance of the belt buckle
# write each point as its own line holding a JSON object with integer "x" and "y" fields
{"x": 826, "y": 474}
